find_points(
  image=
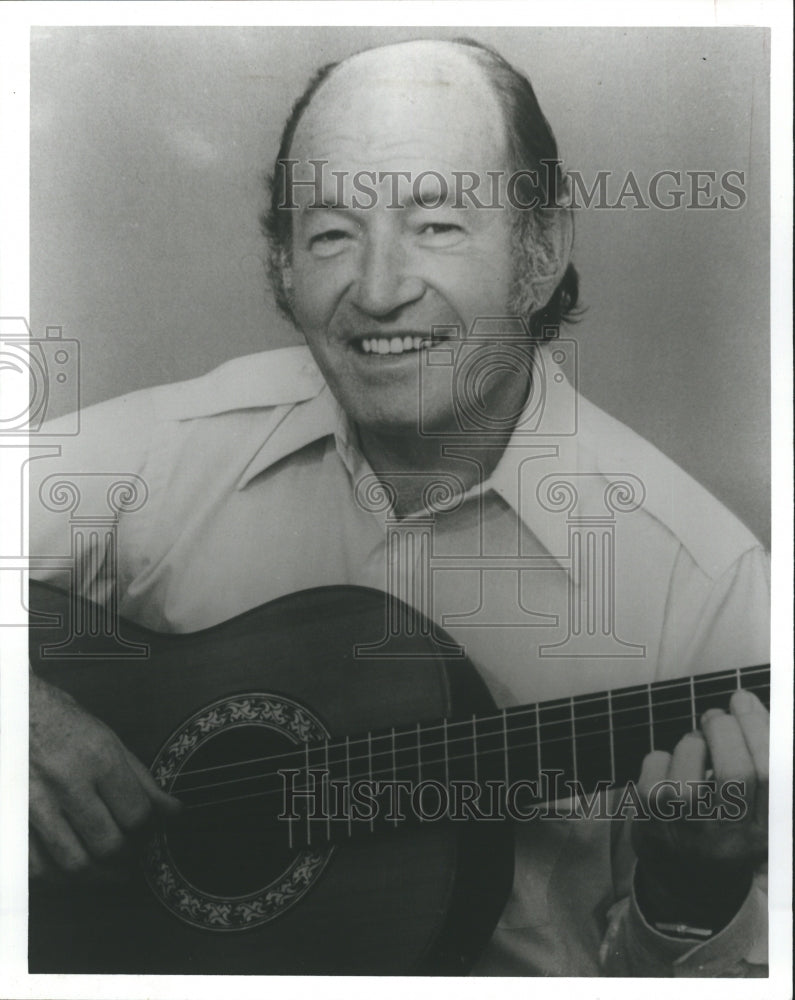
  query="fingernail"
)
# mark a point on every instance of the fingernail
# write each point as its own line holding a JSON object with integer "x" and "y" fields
{"x": 743, "y": 702}
{"x": 711, "y": 713}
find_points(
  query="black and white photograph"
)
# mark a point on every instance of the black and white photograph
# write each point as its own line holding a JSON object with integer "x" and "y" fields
{"x": 395, "y": 443}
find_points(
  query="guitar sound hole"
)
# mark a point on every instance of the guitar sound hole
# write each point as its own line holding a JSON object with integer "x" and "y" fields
{"x": 229, "y": 841}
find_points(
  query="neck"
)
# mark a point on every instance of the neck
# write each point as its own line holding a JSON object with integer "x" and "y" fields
{"x": 428, "y": 460}
{"x": 410, "y": 462}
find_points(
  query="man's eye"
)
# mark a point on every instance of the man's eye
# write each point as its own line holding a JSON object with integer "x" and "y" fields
{"x": 329, "y": 242}
{"x": 441, "y": 233}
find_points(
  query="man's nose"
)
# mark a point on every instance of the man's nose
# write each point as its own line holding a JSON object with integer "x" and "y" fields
{"x": 384, "y": 284}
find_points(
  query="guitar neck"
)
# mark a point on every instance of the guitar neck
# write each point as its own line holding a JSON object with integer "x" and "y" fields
{"x": 587, "y": 739}
{"x": 541, "y": 753}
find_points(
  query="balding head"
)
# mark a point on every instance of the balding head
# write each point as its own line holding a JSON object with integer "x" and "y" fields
{"x": 407, "y": 106}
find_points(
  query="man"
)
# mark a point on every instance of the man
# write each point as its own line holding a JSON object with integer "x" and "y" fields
{"x": 260, "y": 476}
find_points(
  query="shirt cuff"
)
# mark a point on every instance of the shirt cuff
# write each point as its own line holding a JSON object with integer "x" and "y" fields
{"x": 741, "y": 944}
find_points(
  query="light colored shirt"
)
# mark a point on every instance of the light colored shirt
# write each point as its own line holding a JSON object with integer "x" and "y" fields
{"x": 587, "y": 560}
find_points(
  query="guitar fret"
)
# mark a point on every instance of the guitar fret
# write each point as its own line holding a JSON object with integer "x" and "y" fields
{"x": 370, "y": 769}
{"x": 394, "y": 772}
{"x": 505, "y": 745}
{"x": 630, "y": 731}
{"x": 555, "y": 736}
{"x": 475, "y": 748}
{"x": 573, "y": 740}
{"x": 673, "y": 712}
{"x": 714, "y": 690}
{"x": 446, "y": 755}
{"x": 348, "y": 782}
{"x": 591, "y": 757}
{"x": 327, "y": 796}
{"x": 651, "y": 719}
{"x": 308, "y": 820}
{"x": 612, "y": 738}
{"x": 289, "y": 831}
{"x": 693, "y": 703}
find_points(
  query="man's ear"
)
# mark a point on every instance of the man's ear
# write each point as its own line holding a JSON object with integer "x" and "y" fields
{"x": 557, "y": 242}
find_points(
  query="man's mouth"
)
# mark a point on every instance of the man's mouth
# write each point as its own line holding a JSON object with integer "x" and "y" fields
{"x": 390, "y": 345}
{"x": 393, "y": 343}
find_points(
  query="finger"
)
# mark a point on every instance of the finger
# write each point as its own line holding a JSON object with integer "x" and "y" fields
{"x": 754, "y": 722}
{"x": 164, "y": 803}
{"x": 124, "y": 797}
{"x": 731, "y": 758}
{"x": 689, "y": 759}
{"x": 687, "y": 766}
{"x": 655, "y": 768}
{"x": 96, "y": 828}
{"x": 62, "y": 845}
{"x": 38, "y": 863}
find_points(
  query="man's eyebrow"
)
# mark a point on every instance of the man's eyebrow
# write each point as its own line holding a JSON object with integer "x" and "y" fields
{"x": 326, "y": 205}
{"x": 351, "y": 203}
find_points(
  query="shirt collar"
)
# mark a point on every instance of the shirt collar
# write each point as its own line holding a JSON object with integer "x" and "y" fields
{"x": 543, "y": 442}
{"x": 297, "y": 426}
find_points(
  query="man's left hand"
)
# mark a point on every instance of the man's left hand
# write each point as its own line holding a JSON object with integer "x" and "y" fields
{"x": 700, "y": 869}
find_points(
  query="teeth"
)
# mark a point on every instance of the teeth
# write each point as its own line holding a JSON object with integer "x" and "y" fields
{"x": 393, "y": 345}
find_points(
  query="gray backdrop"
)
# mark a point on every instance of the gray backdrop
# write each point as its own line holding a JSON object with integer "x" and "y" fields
{"x": 149, "y": 146}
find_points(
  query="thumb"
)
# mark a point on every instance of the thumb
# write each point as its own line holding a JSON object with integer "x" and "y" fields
{"x": 165, "y": 804}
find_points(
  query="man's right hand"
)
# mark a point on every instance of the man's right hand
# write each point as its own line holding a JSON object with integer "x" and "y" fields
{"x": 89, "y": 796}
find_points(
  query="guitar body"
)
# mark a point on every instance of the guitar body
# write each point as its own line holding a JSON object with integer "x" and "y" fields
{"x": 229, "y": 896}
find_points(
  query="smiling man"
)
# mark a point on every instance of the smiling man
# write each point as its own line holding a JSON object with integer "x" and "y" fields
{"x": 362, "y": 281}
{"x": 260, "y": 474}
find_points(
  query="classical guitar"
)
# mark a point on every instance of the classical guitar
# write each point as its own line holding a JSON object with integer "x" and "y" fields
{"x": 254, "y": 723}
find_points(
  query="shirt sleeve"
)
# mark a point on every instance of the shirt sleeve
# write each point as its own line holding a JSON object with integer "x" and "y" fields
{"x": 76, "y": 497}
{"x": 632, "y": 947}
{"x": 730, "y": 629}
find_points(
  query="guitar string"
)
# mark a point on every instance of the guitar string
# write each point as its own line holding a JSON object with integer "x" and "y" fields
{"x": 530, "y": 709}
{"x": 389, "y": 770}
{"x": 263, "y": 776}
{"x": 546, "y": 741}
{"x": 616, "y": 711}
{"x": 564, "y": 703}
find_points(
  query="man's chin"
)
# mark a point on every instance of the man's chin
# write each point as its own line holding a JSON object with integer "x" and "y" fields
{"x": 407, "y": 423}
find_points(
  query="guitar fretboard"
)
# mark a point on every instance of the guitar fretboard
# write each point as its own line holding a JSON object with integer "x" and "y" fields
{"x": 586, "y": 739}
